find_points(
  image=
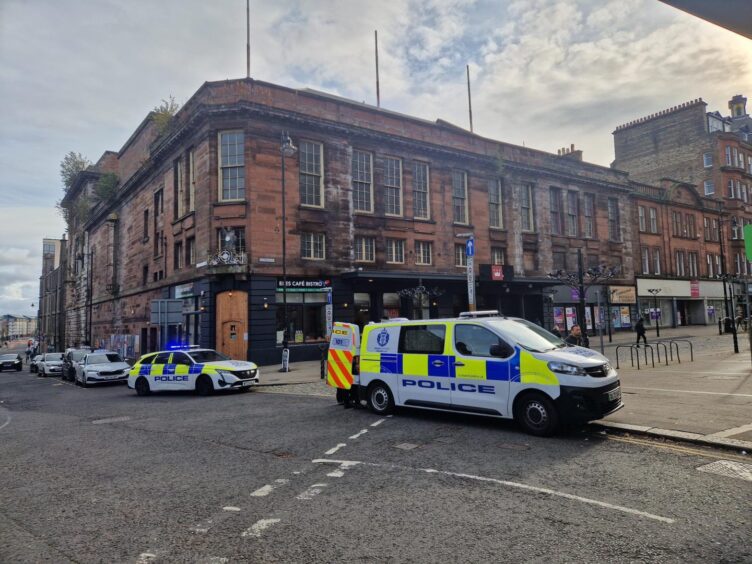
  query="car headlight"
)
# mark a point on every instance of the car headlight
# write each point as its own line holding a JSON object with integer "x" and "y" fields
{"x": 564, "y": 368}
{"x": 226, "y": 374}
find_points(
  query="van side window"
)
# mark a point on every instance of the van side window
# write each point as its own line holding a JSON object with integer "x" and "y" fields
{"x": 474, "y": 340}
{"x": 422, "y": 339}
{"x": 162, "y": 358}
{"x": 181, "y": 358}
{"x": 148, "y": 359}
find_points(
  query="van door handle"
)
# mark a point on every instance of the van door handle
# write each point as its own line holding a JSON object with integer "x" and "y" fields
{"x": 438, "y": 363}
{"x": 459, "y": 364}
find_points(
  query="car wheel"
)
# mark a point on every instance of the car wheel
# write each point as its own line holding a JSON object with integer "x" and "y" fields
{"x": 536, "y": 414}
{"x": 142, "y": 387}
{"x": 380, "y": 398}
{"x": 204, "y": 386}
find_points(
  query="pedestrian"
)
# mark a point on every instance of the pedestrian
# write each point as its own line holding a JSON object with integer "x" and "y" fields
{"x": 640, "y": 329}
{"x": 556, "y": 331}
{"x": 574, "y": 339}
{"x": 28, "y": 354}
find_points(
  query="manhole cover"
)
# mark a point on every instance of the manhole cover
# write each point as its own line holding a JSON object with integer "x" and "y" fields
{"x": 729, "y": 469}
{"x": 406, "y": 446}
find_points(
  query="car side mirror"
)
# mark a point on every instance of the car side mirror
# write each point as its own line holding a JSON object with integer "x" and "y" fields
{"x": 501, "y": 350}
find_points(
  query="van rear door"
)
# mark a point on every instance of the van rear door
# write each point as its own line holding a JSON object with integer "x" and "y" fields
{"x": 426, "y": 366}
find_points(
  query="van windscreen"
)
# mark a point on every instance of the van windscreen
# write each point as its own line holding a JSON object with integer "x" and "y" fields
{"x": 528, "y": 335}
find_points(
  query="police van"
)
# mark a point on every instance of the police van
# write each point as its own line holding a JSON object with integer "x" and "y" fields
{"x": 479, "y": 363}
{"x": 201, "y": 370}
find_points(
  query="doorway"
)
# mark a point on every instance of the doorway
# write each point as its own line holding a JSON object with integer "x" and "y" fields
{"x": 232, "y": 324}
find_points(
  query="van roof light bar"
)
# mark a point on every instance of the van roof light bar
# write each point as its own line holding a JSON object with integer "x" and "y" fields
{"x": 476, "y": 314}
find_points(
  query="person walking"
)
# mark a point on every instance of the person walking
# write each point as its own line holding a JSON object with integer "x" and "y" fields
{"x": 640, "y": 329}
{"x": 574, "y": 339}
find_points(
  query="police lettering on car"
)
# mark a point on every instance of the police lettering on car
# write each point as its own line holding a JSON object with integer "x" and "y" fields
{"x": 480, "y": 363}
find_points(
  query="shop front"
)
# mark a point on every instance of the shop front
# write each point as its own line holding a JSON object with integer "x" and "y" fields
{"x": 610, "y": 308}
{"x": 677, "y": 303}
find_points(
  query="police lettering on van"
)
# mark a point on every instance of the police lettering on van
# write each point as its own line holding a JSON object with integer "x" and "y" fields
{"x": 490, "y": 365}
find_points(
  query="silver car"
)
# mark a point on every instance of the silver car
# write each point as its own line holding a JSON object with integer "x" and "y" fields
{"x": 101, "y": 366}
{"x": 51, "y": 364}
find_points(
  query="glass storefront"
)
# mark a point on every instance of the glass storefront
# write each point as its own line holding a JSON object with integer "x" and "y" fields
{"x": 306, "y": 316}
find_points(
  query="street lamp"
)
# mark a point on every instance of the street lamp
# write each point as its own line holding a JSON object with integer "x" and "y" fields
{"x": 724, "y": 278}
{"x": 655, "y": 292}
{"x": 286, "y": 149}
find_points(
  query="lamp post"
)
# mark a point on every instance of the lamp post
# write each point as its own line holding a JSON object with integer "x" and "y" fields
{"x": 655, "y": 292}
{"x": 286, "y": 149}
{"x": 724, "y": 279}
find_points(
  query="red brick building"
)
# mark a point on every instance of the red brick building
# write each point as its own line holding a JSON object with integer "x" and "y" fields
{"x": 377, "y": 206}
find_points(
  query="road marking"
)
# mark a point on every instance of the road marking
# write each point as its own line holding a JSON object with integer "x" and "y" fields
{"x": 145, "y": 557}
{"x": 7, "y": 417}
{"x": 259, "y": 527}
{"x": 214, "y": 560}
{"x": 517, "y": 485}
{"x": 729, "y": 469}
{"x": 731, "y": 432}
{"x": 311, "y": 492}
{"x": 331, "y": 451}
{"x": 676, "y": 448}
{"x": 58, "y": 384}
{"x": 264, "y": 491}
{"x": 111, "y": 420}
{"x": 341, "y": 471}
{"x": 230, "y": 508}
{"x": 745, "y": 373}
{"x": 687, "y": 392}
{"x": 377, "y": 423}
{"x": 359, "y": 433}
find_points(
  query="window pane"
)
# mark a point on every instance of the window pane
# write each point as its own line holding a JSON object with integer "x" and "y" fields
{"x": 422, "y": 339}
{"x": 420, "y": 191}
{"x": 473, "y": 340}
{"x": 459, "y": 196}
{"x": 310, "y": 173}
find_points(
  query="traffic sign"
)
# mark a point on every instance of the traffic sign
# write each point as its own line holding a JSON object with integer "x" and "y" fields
{"x": 470, "y": 247}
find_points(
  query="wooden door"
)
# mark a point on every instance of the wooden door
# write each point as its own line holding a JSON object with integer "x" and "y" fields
{"x": 232, "y": 324}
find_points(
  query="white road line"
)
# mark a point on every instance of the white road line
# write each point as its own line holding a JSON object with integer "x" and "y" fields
{"x": 7, "y": 418}
{"x": 111, "y": 420}
{"x": 377, "y": 423}
{"x": 311, "y": 492}
{"x": 626, "y": 389}
{"x": 230, "y": 508}
{"x": 507, "y": 483}
{"x": 331, "y": 451}
{"x": 263, "y": 491}
{"x": 731, "y": 432}
{"x": 745, "y": 373}
{"x": 358, "y": 434}
{"x": 145, "y": 557}
{"x": 341, "y": 471}
{"x": 258, "y": 527}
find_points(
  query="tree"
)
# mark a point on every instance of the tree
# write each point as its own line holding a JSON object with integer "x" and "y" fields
{"x": 106, "y": 186}
{"x": 70, "y": 166}
{"x": 164, "y": 113}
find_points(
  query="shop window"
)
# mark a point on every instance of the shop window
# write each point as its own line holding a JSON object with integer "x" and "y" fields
{"x": 392, "y": 304}
{"x": 306, "y": 316}
{"x": 362, "y": 304}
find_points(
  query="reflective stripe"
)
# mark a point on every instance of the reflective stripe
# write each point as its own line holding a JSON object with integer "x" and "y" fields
{"x": 339, "y": 369}
{"x": 535, "y": 371}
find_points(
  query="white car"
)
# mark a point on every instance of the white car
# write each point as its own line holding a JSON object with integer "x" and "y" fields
{"x": 51, "y": 365}
{"x": 101, "y": 366}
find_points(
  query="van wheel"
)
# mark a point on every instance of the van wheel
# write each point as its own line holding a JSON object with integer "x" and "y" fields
{"x": 142, "y": 387}
{"x": 380, "y": 398}
{"x": 536, "y": 414}
{"x": 204, "y": 386}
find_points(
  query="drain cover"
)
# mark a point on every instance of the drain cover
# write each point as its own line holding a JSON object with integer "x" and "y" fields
{"x": 406, "y": 446}
{"x": 730, "y": 469}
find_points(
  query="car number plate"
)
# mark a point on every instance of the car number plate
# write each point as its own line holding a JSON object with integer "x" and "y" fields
{"x": 245, "y": 384}
{"x": 614, "y": 394}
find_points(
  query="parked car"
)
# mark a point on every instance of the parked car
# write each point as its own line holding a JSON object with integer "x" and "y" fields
{"x": 71, "y": 360}
{"x": 34, "y": 364}
{"x": 11, "y": 362}
{"x": 101, "y": 366}
{"x": 51, "y": 364}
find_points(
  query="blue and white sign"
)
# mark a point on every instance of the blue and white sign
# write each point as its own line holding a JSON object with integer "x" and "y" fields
{"x": 384, "y": 340}
{"x": 470, "y": 247}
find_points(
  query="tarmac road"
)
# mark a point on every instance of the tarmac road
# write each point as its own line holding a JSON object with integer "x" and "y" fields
{"x": 101, "y": 475}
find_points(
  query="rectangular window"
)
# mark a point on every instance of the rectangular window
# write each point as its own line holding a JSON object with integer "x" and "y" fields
{"x": 614, "y": 227}
{"x": 421, "y": 208}
{"x": 716, "y": 233}
{"x": 178, "y": 189}
{"x": 422, "y": 339}
{"x": 498, "y": 255}
{"x": 645, "y": 260}
{"x": 310, "y": 177}
{"x": 730, "y": 189}
{"x": 395, "y": 251}
{"x": 158, "y": 238}
{"x": 145, "y": 275}
{"x": 557, "y": 213}
{"x": 459, "y": 196}
{"x": 423, "y": 252}
{"x": 146, "y": 224}
{"x": 460, "y": 259}
{"x": 709, "y": 187}
{"x": 365, "y": 249}
{"x": 158, "y": 203}
{"x": 653, "y": 213}
{"x": 178, "y": 256}
{"x": 735, "y": 228}
{"x": 190, "y": 251}
{"x": 559, "y": 260}
{"x": 692, "y": 259}
{"x": 676, "y": 224}
{"x": 392, "y": 186}
{"x": 706, "y": 228}
{"x": 231, "y": 165}
{"x": 745, "y": 193}
{"x": 735, "y": 158}
{"x": 641, "y": 216}
{"x": 728, "y": 155}
{"x": 707, "y": 160}
{"x": 680, "y": 263}
{"x": 191, "y": 181}
{"x": 718, "y": 270}
{"x": 709, "y": 261}
{"x": 690, "y": 227}
{"x": 656, "y": 261}
{"x": 495, "y": 204}
{"x": 526, "y": 208}
{"x": 362, "y": 179}
{"x": 313, "y": 246}
{"x": 589, "y": 212}
{"x": 231, "y": 239}
{"x": 572, "y": 214}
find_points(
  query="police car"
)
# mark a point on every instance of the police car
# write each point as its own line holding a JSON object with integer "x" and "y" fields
{"x": 482, "y": 364}
{"x": 191, "y": 369}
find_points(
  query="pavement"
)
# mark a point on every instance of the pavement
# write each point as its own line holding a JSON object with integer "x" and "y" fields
{"x": 707, "y": 400}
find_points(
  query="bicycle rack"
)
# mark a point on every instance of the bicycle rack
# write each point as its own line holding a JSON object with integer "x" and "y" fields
{"x": 691, "y": 348}
{"x": 658, "y": 345}
{"x": 631, "y": 355}
{"x": 652, "y": 354}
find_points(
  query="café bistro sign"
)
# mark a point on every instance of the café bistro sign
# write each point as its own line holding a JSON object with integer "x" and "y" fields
{"x": 304, "y": 285}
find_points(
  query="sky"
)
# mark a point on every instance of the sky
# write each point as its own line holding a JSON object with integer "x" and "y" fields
{"x": 80, "y": 75}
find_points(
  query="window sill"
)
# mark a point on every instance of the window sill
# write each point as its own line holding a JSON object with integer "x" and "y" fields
{"x": 312, "y": 207}
{"x": 183, "y": 217}
{"x": 230, "y": 202}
